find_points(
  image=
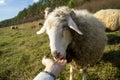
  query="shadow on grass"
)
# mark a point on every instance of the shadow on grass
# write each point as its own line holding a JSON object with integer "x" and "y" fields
{"x": 5, "y": 75}
{"x": 113, "y": 39}
{"x": 113, "y": 57}
{"x": 1, "y": 52}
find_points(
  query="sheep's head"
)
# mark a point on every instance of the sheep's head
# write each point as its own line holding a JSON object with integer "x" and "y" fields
{"x": 58, "y": 26}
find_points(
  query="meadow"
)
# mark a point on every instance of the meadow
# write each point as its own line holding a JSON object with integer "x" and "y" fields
{"x": 21, "y": 52}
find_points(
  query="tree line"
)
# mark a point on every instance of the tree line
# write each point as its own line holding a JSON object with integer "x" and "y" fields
{"x": 35, "y": 11}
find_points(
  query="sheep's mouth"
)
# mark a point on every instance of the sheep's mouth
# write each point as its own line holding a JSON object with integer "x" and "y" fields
{"x": 68, "y": 57}
{"x": 58, "y": 56}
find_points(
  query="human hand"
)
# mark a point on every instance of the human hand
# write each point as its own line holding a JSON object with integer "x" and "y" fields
{"x": 54, "y": 67}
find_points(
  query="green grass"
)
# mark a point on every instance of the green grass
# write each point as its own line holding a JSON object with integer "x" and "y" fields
{"x": 21, "y": 52}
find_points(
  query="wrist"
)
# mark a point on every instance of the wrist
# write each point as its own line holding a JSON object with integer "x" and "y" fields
{"x": 54, "y": 70}
{"x": 51, "y": 74}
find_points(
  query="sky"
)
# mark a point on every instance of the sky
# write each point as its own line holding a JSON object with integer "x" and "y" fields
{"x": 10, "y": 8}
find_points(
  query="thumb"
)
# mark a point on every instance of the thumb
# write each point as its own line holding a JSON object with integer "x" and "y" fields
{"x": 44, "y": 60}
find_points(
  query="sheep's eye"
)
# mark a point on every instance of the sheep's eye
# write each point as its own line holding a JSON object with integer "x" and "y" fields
{"x": 65, "y": 27}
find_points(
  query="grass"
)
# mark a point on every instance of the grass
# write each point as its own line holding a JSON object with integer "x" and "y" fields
{"x": 21, "y": 52}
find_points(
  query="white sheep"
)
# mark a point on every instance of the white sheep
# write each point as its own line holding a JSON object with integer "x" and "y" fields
{"x": 75, "y": 35}
{"x": 14, "y": 27}
{"x": 110, "y": 17}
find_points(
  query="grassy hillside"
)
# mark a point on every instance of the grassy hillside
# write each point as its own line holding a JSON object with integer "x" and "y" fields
{"x": 21, "y": 52}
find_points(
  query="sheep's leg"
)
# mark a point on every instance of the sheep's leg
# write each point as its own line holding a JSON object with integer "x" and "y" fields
{"x": 84, "y": 73}
{"x": 71, "y": 72}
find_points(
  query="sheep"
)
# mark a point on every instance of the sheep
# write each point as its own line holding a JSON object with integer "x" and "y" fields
{"x": 75, "y": 35}
{"x": 47, "y": 11}
{"x": 33, "y": 26}
{"x": 14, "y": 27}
{"x": 40, "y": 24}
{"x": 110, "y": 17}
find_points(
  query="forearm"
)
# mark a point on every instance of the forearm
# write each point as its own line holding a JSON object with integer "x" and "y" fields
{"x": 44, "y": 76}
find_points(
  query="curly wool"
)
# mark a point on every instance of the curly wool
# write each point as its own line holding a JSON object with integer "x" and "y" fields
{"x": 110, "y": 17}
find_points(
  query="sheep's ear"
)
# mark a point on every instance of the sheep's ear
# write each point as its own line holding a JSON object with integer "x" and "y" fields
{"x": 42, "y": 30}
{"x": 73, "y": 26}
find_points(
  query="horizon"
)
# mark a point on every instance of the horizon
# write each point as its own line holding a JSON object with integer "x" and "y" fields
{"x": 10, "y": 8}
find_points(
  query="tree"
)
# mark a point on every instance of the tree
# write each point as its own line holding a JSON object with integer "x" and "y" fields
{"x": 71, "y": 4}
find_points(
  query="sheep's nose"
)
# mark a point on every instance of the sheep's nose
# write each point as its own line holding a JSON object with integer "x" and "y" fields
{"x": 56, "y": 54}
